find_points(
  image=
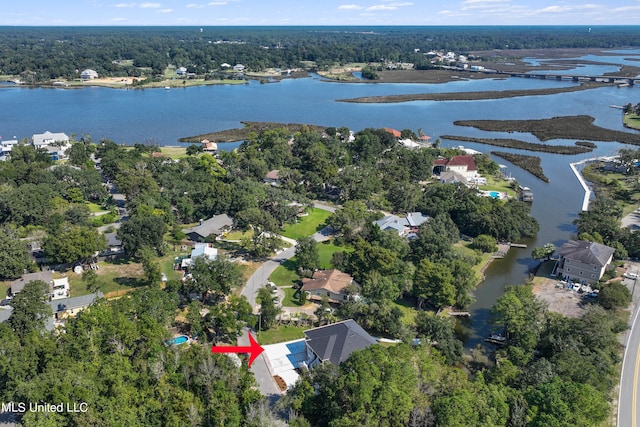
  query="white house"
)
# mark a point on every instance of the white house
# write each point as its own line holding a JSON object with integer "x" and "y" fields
{"x": 181, "y": 71}
{"x": 6, "y": 147}
{"x": 60, "y": 288}
{"x": 89, "y": 74}
{"x": 204, "y": 250}
{"x": 238, "y": 68}
{"x": 463, "y": 165}
{"x": 49, "y": 138}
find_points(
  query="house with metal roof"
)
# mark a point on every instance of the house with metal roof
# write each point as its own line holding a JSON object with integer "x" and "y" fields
{"x": 584, "y": 262}
{"x": 335, "y": 342}
{"x": 404, "y": 225}
{"x": 216, "y": 225}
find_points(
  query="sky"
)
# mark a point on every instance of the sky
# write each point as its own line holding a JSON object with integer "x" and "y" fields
{"x": 319, "y": 12}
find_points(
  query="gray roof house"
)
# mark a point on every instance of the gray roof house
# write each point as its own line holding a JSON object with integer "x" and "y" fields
{"x": 583, "y": 261}
{"x": 18, "y": 284}
{"x": 403, "y": 225}
{"x": 215, "y": 225}
{"x": 335, "y": 343}
{"x": 47, "y": 138}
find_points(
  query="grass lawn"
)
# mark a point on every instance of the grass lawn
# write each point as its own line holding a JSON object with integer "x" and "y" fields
{"x": 307, "y": 225}
{"x": 632, "y": 121}
{"x": 463, "y": 248}
{"x": 285, "y": 274}
{"x": 174, "y": 152}
{"x": 117, "y": 276}
{"x": 408, "y": 309}
{"x": 326, "y": 250}
{"x": 289, "y": 298}
{"x": 94, "y": 208}
{"x": 498, "y": 184}
{"x": 238, "y": 235}
{"x": 4, "y": 289}
{"x": 281, "y": 334}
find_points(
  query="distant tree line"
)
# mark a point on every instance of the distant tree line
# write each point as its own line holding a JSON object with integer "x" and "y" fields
{"x": 47, "y": 53}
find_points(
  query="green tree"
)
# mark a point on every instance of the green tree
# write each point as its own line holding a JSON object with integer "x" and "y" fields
{"x": 74, "y": 244}
{"x": 268, "y": 309}
{"x": 14, "y": 257}
{"x": 543, "y": 252}
{"x": 142, "y": 230}
{"x": 522, "y": 316}
{"x": 150, "y": 265}
{"x": 218, "y": 276}
{"x": 30, "y": 309}
{"x": 614, "y": 296}
{"x": 484, "y": 243}
{"x": 434, "y": 283}
{"x": 307, "y": 255}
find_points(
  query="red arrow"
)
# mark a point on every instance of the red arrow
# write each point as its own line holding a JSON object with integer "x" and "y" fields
{"x": 254, "y": 349}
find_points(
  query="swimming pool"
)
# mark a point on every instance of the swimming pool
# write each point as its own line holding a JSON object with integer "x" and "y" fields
{"x": 178, "y": 340}
{"x": 494, "y": 194}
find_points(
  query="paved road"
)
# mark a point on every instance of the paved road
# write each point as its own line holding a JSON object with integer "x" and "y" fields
{"x": 261, "y": 371}
{"x": 260, "y": 366}
{"x": 629, "y": 396}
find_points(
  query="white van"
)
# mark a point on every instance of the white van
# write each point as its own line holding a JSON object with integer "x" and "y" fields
{"x": 631, "y": 275}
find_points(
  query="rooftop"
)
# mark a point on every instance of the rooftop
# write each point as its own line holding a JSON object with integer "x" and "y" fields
{"x": 337, "y": 341}
{"x": 587, "y": 252}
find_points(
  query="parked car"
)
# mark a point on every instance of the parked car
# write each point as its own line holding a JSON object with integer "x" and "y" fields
{"x": 5, "y": 302}
{"x": 631, "y": 275}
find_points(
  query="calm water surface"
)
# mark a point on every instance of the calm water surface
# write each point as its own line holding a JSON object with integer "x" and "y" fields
{"x": 162, "y": 116}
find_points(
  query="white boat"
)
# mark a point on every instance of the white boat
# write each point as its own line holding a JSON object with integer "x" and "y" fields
{"x": 167, "y": 87}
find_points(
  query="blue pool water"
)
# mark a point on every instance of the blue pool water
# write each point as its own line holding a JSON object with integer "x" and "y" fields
{"x": 179, "y": 340}
{"x": 494, "y": 194}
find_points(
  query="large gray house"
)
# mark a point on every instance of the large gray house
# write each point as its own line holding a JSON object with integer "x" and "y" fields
{"x": 335, "y": 343}
{"x": 584, "y": 262}
{"x": 216, "y": 225}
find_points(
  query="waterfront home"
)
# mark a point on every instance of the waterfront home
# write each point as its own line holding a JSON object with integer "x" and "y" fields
{"x": 327, "y": 283}
{"x": 49, "y": 138}
{"x": 334, "y": 343}
{"x": 6, "y": 147}
{"x": 89, "y": 74}
{"x": 216, "y": 225}
{"x": 405, "y": 226}
{"x": 582, "y": 261}
{"x": 464, "y": 165}
{"x": 395, "y": 133}
{"x": 238, "y": 68}
{"x": 209, "y": 147}
{"x": 181, "y": 71}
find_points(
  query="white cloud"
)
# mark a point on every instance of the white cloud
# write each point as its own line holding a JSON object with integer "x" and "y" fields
{"x": 165, "y": 11}
{"x": 380, "y": 7}
{"x": 118, "y": 19}
{"x": 150, "y": 5}
{"x": 126, "y": 4}
{"x": 349, "y": 7}
{"x": 217, "y": 3}
{"x": 402, "y": 4}
{"x": 194, "y": 6}
{"x": 625, "y": 9}
{"x": 555, "y": 9}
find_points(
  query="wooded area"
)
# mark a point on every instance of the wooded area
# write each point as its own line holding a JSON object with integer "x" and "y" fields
{"x": 41, "y": 54}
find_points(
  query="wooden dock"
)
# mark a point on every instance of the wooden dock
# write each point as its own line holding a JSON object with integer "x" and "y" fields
{"x": 460, "y": 313}
{"x": 518, "y": 245}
